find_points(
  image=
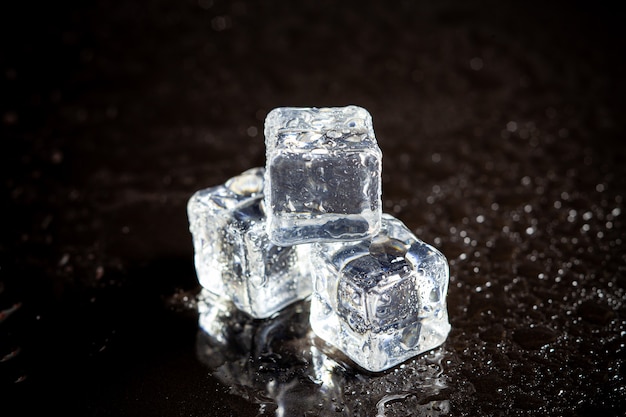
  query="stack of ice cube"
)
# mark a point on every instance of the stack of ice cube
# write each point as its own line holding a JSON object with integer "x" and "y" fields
{"x": 311, "y": 224}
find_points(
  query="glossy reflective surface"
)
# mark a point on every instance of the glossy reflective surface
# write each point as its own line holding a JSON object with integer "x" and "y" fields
{"x": 502, "y": 132}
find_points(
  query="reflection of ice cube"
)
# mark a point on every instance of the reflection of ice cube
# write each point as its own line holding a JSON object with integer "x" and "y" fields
{"x": 323, "y": 175}
{"x": 382, "y": 300}
{"x": 226, "y": 332}
{"x": 265, "y": 361}
{"x": 233, "y": 255}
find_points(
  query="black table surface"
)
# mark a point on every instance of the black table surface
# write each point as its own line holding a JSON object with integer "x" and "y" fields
{"x": 502, "y": 131}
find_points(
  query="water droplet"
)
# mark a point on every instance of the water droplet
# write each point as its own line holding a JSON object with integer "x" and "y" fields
{"x": 476, "y": 63}
{"x": 511, "y": 126}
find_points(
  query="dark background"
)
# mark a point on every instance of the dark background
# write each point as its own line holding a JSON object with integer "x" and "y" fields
{"x": 502, "y": 130}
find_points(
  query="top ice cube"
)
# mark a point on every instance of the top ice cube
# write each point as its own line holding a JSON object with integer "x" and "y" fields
{"x": 323, "y": 175}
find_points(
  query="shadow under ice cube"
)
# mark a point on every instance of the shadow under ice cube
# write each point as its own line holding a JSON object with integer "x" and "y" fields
{"x": 323, "y": 175}
{"x": 381, "y": 300}
{"x": 234, "y": 257}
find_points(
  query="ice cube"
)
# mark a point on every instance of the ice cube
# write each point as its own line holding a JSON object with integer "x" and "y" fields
{"x": 382, "y": 300}
{"x": 323, "y": 175}
{"x": 234, "y": 257}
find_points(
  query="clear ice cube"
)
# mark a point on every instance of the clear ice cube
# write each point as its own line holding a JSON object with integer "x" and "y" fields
{"x": 323, "y": 175}
{"x": 234, "y": 257}
{"x": 382, "y": 300}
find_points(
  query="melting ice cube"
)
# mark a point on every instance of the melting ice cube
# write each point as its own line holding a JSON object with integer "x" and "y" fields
{"x": 234, "y": 257}
{"x": 323, "y": 175}
{"x": 381, "y": 300}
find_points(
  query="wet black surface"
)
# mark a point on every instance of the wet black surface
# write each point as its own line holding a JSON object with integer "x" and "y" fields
{"x": 502, "y": 130}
